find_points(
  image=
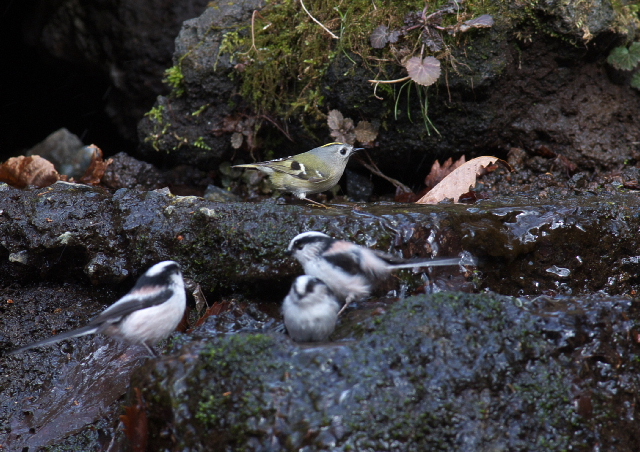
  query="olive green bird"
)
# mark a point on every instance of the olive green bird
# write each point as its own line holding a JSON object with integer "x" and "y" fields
{"x": 311, "y": 172}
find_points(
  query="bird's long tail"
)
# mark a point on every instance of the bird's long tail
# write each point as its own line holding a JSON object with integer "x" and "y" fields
{"x": 436, "y": 262}
{"x": 66, "y": 335}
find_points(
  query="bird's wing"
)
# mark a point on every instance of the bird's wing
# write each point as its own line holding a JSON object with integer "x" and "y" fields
{"x": 349, "y": 262}
{"x": 133, "y": 301}
{"x": 296, "y": 169}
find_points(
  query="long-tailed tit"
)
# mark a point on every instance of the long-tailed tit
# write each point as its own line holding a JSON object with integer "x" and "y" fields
{"x": 310, "y": 310}
{"x": 350, "y": 270}
{"x": 148, "y": 313}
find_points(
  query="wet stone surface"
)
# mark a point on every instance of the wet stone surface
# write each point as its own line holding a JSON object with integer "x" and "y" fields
{"x": 525, "y": 245}
{"x": 442, "y": 372}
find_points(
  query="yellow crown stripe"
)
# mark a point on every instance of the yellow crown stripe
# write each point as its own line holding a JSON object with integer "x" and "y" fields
{"x": 330, "y": 144}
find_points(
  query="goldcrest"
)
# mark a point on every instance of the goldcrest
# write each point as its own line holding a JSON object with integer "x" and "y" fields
{"x": 313, "y": 171}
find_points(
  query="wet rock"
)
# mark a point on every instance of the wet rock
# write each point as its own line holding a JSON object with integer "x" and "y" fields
{"x": 128, "y": 172}
{"x": 442, "y": 372}
{"x": 107, "y": 237}
{"x": 67, "y": 153}
{"x": 205, "y": 90}
{"x": 52, "y": 392}
{"x": 218, "y": 194}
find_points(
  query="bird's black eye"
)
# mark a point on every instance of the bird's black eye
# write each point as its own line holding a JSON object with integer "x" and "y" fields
{"x": 299, "y": 246}
{"x": 343, "y": 151}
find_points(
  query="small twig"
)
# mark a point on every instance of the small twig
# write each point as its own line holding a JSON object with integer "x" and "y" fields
{"x": 375, "y": 89}
{"x": 317, "y": 21}
{"x": 374, "y": 169}
{"x": 253, "y": 37}
{"x": 404, "y": 79}
{"x": 272, "y": 121}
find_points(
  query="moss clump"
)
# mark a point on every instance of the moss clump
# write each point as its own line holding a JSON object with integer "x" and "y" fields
{"x": 240, "y": 393}
{"x": 286, "y": 54}
{"x": 442, "y": 372}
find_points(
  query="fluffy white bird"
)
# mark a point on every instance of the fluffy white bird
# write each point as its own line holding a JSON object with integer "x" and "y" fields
{"x": 310, "y": 310}
{"x": 151, "y": 311}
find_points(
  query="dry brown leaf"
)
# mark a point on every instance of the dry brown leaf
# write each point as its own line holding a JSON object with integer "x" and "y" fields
{"x": 439, "y": 172}
{"x": 33, "y": 170}
{"x": 366, "y": 132}
{"x": 135, "y": 422}
{"x": 97, "y": 167}
{"x": 216, "y": 309}
{"x": 459, "y": 181}
{"x": 342, "y": 129}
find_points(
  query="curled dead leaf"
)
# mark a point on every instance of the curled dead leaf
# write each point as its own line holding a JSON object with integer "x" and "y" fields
{"x": 484, "y": 21}
{"x": 459, "y": 181}
{"x": 97, "y": 167}
{"x": 32, "y": 170}
{"x": 439, "y": 172}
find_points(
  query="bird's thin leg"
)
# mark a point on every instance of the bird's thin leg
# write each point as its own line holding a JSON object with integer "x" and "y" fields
{"x": 152, "y": 352}
{"x": 346, "y": 303}
{"x": 319, "y": 204}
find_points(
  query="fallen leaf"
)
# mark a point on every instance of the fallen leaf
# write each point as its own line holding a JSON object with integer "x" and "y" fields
{"x": 404, "y": 196}
{"x": 217, "y": 308}
{"x": 135, "y": 423}
{"x": 342, "y": 128}
{"x": 439, "y": 172}
{"x": 459, "y": 181}
{"x": 423, "y": 71}
{"x": 366, "y": 132}
{"x": 97, "y": 167}
{"x": 484, "y": 21}
{"x": 33, "y": 170}
{"x": 335, "y": 119}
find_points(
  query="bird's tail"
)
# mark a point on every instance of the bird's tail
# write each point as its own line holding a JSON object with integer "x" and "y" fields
{"x": 246, "y": 165}
{"x": 90, "y": 329}
{"x": 436, "y": 262}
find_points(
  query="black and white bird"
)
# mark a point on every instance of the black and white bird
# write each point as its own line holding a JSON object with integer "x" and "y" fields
{"x": 151, "y": 311}
{"x": 351, "y": 271}
{"x": 310, "y": 310}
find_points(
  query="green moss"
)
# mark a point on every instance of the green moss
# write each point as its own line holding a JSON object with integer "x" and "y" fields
{"x": 287, "y": 54}
{"x": 236, "y": 367}
{"x": 200, "y": 143}
{"x": 160, "y": 126}
{"x": 175, "y": 78}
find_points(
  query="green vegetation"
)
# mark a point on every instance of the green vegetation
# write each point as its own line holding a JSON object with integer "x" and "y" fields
{"x": 626, "y": 58}
{"x": 175, "y": 78}
{"x": 286, "y": 53}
